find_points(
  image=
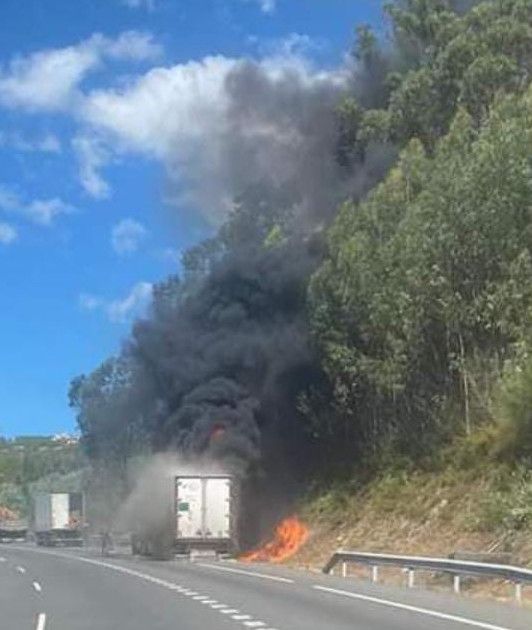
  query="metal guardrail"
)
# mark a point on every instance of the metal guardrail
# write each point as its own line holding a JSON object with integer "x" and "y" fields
{"x": 457, "y": 568}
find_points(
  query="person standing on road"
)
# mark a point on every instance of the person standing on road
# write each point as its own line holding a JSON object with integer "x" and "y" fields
{"x": 107, "y": 543}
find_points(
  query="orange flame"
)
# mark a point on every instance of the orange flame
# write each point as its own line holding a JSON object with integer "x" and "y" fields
{"x": 290, "y": 535}
{"x": 217, "y": 431}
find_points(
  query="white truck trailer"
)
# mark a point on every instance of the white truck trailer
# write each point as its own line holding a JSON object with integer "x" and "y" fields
{"x": 200, "y": 515}
{"x": 13, "y": 530}
{"x": 58, "y": 519}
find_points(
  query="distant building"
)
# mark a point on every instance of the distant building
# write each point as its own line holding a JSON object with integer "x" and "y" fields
{"x": 65, "y": 438}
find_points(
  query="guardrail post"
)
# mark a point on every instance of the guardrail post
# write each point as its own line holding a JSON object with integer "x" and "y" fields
{"x": 410, "y": 578}
{"x": 344, "y": 569}
{"x": 519, "y": 593}
{"x": 375, "y": 574}
{"x": 456, "y": 584}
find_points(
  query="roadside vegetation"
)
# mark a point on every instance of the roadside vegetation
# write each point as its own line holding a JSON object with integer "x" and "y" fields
{"x": 29, "y": 465}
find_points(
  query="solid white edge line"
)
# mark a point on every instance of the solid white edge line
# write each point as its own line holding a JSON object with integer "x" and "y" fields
{"x": 410, "y": 608}
{"x": 41, "y": 622}
{"x": 37, "y": 587}
{"x": 264, "y": 576}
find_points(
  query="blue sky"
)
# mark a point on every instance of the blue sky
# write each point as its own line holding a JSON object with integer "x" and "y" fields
{"x": 106, "y": 110}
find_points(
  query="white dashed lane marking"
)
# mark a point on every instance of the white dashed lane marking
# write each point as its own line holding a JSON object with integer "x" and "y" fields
{"x": 41, "y": 622}
{"x": 37, "y": 587}
{"x": 245, "y": 619}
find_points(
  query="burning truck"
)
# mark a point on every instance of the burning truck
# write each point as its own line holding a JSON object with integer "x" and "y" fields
{"x": 200, "y": 514}
{"x": 215, "y": 498}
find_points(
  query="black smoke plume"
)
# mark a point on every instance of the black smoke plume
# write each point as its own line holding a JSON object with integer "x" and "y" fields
{"x": 226, "y": 353}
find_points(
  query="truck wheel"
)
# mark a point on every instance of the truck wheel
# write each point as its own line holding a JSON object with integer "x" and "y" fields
{"x": 161, "y": 550}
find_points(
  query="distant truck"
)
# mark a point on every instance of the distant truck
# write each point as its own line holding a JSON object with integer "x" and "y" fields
{"x": 199, "y": 514}
{"x": 13, "y": 530}
{"x": 58, "y": 519}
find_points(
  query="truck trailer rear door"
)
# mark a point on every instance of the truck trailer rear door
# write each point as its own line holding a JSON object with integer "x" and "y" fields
{"x": 60, "y": 511}
{"x": 217, "y": 508}
{"x": 189, "y": 507}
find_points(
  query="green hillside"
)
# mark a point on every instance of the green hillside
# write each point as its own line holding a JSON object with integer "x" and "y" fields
{"x": 29, "y": 464}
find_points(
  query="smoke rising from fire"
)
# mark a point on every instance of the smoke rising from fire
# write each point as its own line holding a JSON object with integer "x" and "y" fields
{"x": 152, "y": 490}
{"x": 220, "y": 364}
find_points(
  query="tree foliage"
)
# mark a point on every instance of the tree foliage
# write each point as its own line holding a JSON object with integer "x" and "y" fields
{"x": 432, "y": 269}
{"x": 453, "y": 61}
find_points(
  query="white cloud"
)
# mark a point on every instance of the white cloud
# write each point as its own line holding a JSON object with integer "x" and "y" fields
{"x": 293, "y": 46}
{"x": 40, "y": 211}
{"x": 183, "y": 116}
{"x": 266, "y": 6}
{"x": 169, "y": 254}
{"x": 191, "y": 115}
{"x": 9, "y": 200}
{"x": 127, "y": 235}
{"x": 130, "y": 45}
{"x": 46, "y": 79}
{"x": 89, "y": 302}
{"x": 8, "y": 234}
{"x": 49, "y": 79}
{"x": 134, "y": 303}
{"x": 48, "y": 143}
{"x": 92, "y": 155}
{"x": 180, "y": 102}
{"x": 121, "y": 310}
{"x": 45, "y": 211}
{"x": 139, "y": 4}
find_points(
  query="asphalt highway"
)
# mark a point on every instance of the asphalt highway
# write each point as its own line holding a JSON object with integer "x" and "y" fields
{"x": 65, "y": 589}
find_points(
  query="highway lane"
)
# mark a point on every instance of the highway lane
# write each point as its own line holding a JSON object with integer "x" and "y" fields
{"x": 82, "y": 591}
{"x": 78, "y": 596}
{"x": 19, "y": 601}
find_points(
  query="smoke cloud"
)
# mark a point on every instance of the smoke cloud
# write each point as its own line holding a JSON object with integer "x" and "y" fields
{"x": 224, "y": 357}
{"x": 219, "y": 365}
